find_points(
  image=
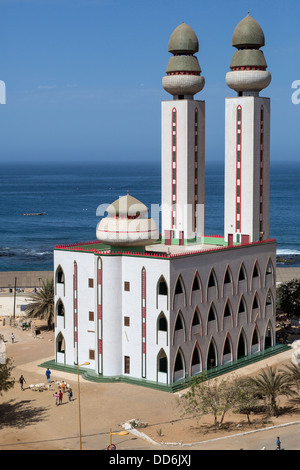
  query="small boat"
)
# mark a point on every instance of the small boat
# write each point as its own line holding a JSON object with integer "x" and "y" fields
{"x": 36, "y": 213}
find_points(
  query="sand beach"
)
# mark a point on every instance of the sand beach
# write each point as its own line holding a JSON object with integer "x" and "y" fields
{"x": 30, "y": 420}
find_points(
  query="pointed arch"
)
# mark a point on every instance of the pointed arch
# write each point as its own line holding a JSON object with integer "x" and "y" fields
{"x": 242, "y": 348}
{"x": 162, "y": 328}
{"x": 60, "y": 308}
{"x": 196, "y": 323}
{"x": 212, "y": 355}
{"x": 179, "y": 288}
{"x": 269, "y": 273}
{"x": 162, "y": 322}
{"x": 162, "y": 290}
{"x": 179, "y": 367}
{"x": 255, "y": 340}
{"x": 242, "y": 279}
{"x": 179, "y": 326}
{"x": 227, "y": 355}
{"x": 59, "y": 278}
{"x": 269, "y": 336}
{"x": 162, "y": 366}
{"x": 196, "y": 360}
{"x": 242, "y": 311}
{"x": 227, "y": 281}
{"x": 60, "y": 348}
{"x": 255, "y": 308}
{"x": 269, "y": 304}
{"x": 255, "y": 281}
{"x": 196, "y": 287}
{"x": 212, "y": 283}
{"x": 227, "y": 312}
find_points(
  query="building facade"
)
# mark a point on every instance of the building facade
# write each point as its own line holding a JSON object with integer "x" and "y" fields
{"x": 163, "y": 308}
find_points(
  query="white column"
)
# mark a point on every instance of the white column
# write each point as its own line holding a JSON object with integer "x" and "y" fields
{"x": 183, "y": 155}
{"x": 247, "y": 168}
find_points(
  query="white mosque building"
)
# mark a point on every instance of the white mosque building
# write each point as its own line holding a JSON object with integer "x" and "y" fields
{"x": 161, "y": 308}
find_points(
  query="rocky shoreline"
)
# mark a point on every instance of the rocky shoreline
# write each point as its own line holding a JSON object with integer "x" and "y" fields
{"x": 288, "y": 260}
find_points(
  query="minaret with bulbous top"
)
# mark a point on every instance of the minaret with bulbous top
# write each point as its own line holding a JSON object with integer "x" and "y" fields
{"x": 183, "y": 126}
{"x": 247, "y": 138}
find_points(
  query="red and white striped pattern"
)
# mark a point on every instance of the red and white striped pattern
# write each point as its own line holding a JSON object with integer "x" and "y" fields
{"x": 143, "y": 323}
{"x": 75, "y": 294}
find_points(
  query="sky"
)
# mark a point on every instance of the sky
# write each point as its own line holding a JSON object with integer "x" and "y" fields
{"x": 84, "y": 77}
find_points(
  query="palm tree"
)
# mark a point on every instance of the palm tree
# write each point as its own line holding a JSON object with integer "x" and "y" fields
{"x": 292, "y": 373}
{"x": 270, "y": 384}
{"x": 42, "y": 305}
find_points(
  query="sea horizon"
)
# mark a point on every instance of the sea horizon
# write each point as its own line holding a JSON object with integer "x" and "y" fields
{"x": 68, "y": 193}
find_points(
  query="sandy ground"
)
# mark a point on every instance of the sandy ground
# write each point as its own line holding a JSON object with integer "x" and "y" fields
{"x": 31, "y": 420}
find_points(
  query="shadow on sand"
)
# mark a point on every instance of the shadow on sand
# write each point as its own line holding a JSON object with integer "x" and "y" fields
{"x": 20, "y": 413}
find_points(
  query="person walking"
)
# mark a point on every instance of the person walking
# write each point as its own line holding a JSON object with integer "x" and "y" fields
{"x": 21, "y": 381}
{"x": 278, "y": 444}
{"x": 63, "y": 386}
{"x": 48, "y": 374}
{"x": 70, "y": 394}
{"x": 60, "y": 397}
{"x": 56, "y": 398}
{"x": 12, "y": 338}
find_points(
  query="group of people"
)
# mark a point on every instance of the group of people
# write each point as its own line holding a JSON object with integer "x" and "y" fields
{"x": 57, "y": 395}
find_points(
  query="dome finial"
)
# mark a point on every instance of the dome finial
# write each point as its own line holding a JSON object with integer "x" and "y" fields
{"x": 248, "y": 65}
{"x": 183, "y": 71}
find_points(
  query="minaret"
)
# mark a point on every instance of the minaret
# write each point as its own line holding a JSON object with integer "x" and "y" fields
{"x": 183, "y": 127}
{"x": 247, "y": 139}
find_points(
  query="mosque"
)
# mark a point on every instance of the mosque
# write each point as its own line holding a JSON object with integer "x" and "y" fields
{"x": 163, "y": 306}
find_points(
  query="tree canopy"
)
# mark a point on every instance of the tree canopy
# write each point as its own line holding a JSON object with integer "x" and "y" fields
{"x": 42, "y": 303}
{"x": 6, "y": 381}
{"x": 288, "y": 295}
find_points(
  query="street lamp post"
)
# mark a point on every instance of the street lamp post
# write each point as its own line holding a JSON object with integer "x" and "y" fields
{"x": 79, "y": 411}
{"x": 120, "y": 433}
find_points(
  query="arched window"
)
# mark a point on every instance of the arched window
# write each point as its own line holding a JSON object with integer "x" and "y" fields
{"x": 179, "y": 328}
{"x": 179, "y": 366}
{"x": 196, "y": 361}
{"x": 212, "y": 358}
{"x": 60, "y": 277}
{"x": 255, "y": 278}
{"x": 196, "y": 325}
{"x": 227, "y": 313}
{"x": 179, "y": 322}
{"x": 212, "y": 286}
{"x": 227, "y": 350}
{"x": 269, "y": 274}
{"x": 227, "y": 309}
{"x": 162, "y": 288}
{"x": 178, "y": 290}
{"x": 255, "y": 343}
{"x": 212, "y": 313}
{"x": 269, "y": 337}
{"x": 60, "y": 343}
{"x": 60, "y": 309}
{"x": 162, "y": 324}
{"x": 162, "y": 293}
{"x": 242, "y": 317}
{"x": 269, "y": 298}
{"x": 242, "y": 345}
{"x": 162, "y": 362}
{"x": 212, "y": 280}
{"x": 196, "y": 288}
{"x": 242, "y": 273}
{"x": 59, "y": 280}
{"x": 196, "y": 284}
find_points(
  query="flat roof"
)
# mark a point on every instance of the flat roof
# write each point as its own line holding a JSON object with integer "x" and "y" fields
{"x": 158, "y": 249}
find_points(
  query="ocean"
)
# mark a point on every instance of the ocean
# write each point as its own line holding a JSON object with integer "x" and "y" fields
{"x": 69, "y": 194}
